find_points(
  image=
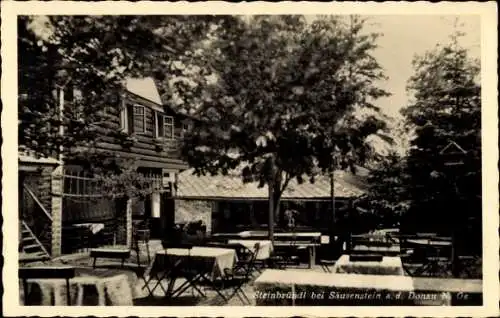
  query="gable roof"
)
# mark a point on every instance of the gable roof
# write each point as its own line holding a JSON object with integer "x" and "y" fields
{"x": 144, "y": 87}
{"x": 452, "y": 148}
{"x": 231, "y": 187}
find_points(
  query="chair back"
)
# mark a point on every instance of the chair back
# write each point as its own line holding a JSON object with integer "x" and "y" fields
{"x": 256, "y": 249}
{"x": 252, "y": 258}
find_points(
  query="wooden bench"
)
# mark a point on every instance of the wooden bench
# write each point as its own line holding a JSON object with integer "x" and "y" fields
{"x": 49, "y": 272}
{"x": 116, "y": 253}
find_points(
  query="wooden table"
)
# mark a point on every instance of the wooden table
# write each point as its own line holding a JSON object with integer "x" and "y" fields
{"x": 393, "y": 250}
{"x": 311, "y": 249}
{"x": 265, "y": 249}
{"x": 282, "y": 235}
{"x": 388, "y": 266}
{"x": 121, "y": 253}
{"x": 209, "y": 262}
{"x": 435, "y": 258}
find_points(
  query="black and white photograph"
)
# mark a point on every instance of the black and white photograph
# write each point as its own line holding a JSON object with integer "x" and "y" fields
{"x": 250, "y": 159}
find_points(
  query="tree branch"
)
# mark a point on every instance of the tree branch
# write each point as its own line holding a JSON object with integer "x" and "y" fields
{"x": 288, "y": 177}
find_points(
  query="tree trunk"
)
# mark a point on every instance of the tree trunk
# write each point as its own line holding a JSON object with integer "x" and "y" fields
{"x": 121, "y": 221}
{"x": 278, "y": 214}
{"x": 270, "y": 186}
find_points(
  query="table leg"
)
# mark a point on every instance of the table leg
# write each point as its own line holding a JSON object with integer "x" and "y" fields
{"x": 101, "y": 294}
{"x": 25, "y": 287}
{"x": 212, "y": 284}
{"x": 68, "y": 298}
{"x": 79, "y": 296}
{"x": 147, "y": 251}
{"x": 190, "y": 282}
{"x": 312, "y": 256}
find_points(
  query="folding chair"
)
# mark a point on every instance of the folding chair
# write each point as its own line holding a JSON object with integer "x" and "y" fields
{"x": 465, "y": 264}
{"x": 50, "y": 272}
{"x": 283, "y": 255}
{"x": 325, "y": 259}
{"x": 159, "y": 274}
{"x": 236, "y": 278}
{"x": 185, "y": 268}
{"x": 141, "y": 235}
{"x": 247, "y": 263}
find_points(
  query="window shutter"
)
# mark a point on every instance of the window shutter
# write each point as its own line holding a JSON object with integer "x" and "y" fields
{"x": 148, "y": 125}
{"x": 124, "y": 118}
{"x": 130, "y": 118}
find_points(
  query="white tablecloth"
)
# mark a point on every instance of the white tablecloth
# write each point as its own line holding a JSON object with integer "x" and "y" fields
{"x": 396, "y": 290}
{"x": 212, "y": 259}
{"x": 388, "y": 266}
{"x": 115, "y": 290}
{"x": 93, "y": 227}
{"x": 265, "y": 247}
{"x": 279, "y": 287}
{"x": 298, "y": 235}
{"x": 384, "y": 250}
{"x": 301, "y": 277}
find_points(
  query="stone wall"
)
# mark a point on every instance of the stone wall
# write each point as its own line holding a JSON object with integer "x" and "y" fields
{"x": 40, "y": 183}
{"x": 192, "y": 210}
{"x": 56, "y": 204}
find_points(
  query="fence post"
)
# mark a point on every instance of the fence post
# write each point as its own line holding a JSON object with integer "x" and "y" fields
{"x": 57, "y": 205}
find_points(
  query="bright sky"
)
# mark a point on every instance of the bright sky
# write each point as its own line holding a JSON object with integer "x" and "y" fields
{"x": 405, "y": 36}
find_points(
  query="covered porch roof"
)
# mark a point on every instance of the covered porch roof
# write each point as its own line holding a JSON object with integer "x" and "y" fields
{"x": 231, "y": 187}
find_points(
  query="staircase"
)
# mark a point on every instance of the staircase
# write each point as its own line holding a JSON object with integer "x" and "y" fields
{"x": 35, "y": 228}
{"x": 30, "y": 249}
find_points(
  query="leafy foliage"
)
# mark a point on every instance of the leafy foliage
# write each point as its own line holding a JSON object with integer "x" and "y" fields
{"x": 93, "y": 54}
{"x": 446, "y": 107}
{"x": 285, "y": 99}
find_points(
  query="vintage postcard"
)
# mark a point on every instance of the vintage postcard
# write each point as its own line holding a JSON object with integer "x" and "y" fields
{"x": 250, "y": 159}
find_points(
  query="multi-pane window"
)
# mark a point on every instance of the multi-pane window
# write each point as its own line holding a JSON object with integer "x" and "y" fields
{"x": 165, "y": 126}
{"x": 168, "y": 125}
{"x": 139, "y": 119}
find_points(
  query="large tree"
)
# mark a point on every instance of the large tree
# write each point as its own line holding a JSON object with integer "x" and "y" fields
{"x": 93, "y": 54}
{"x": 291, "y": 98}
{"x": 446, "y": 108}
